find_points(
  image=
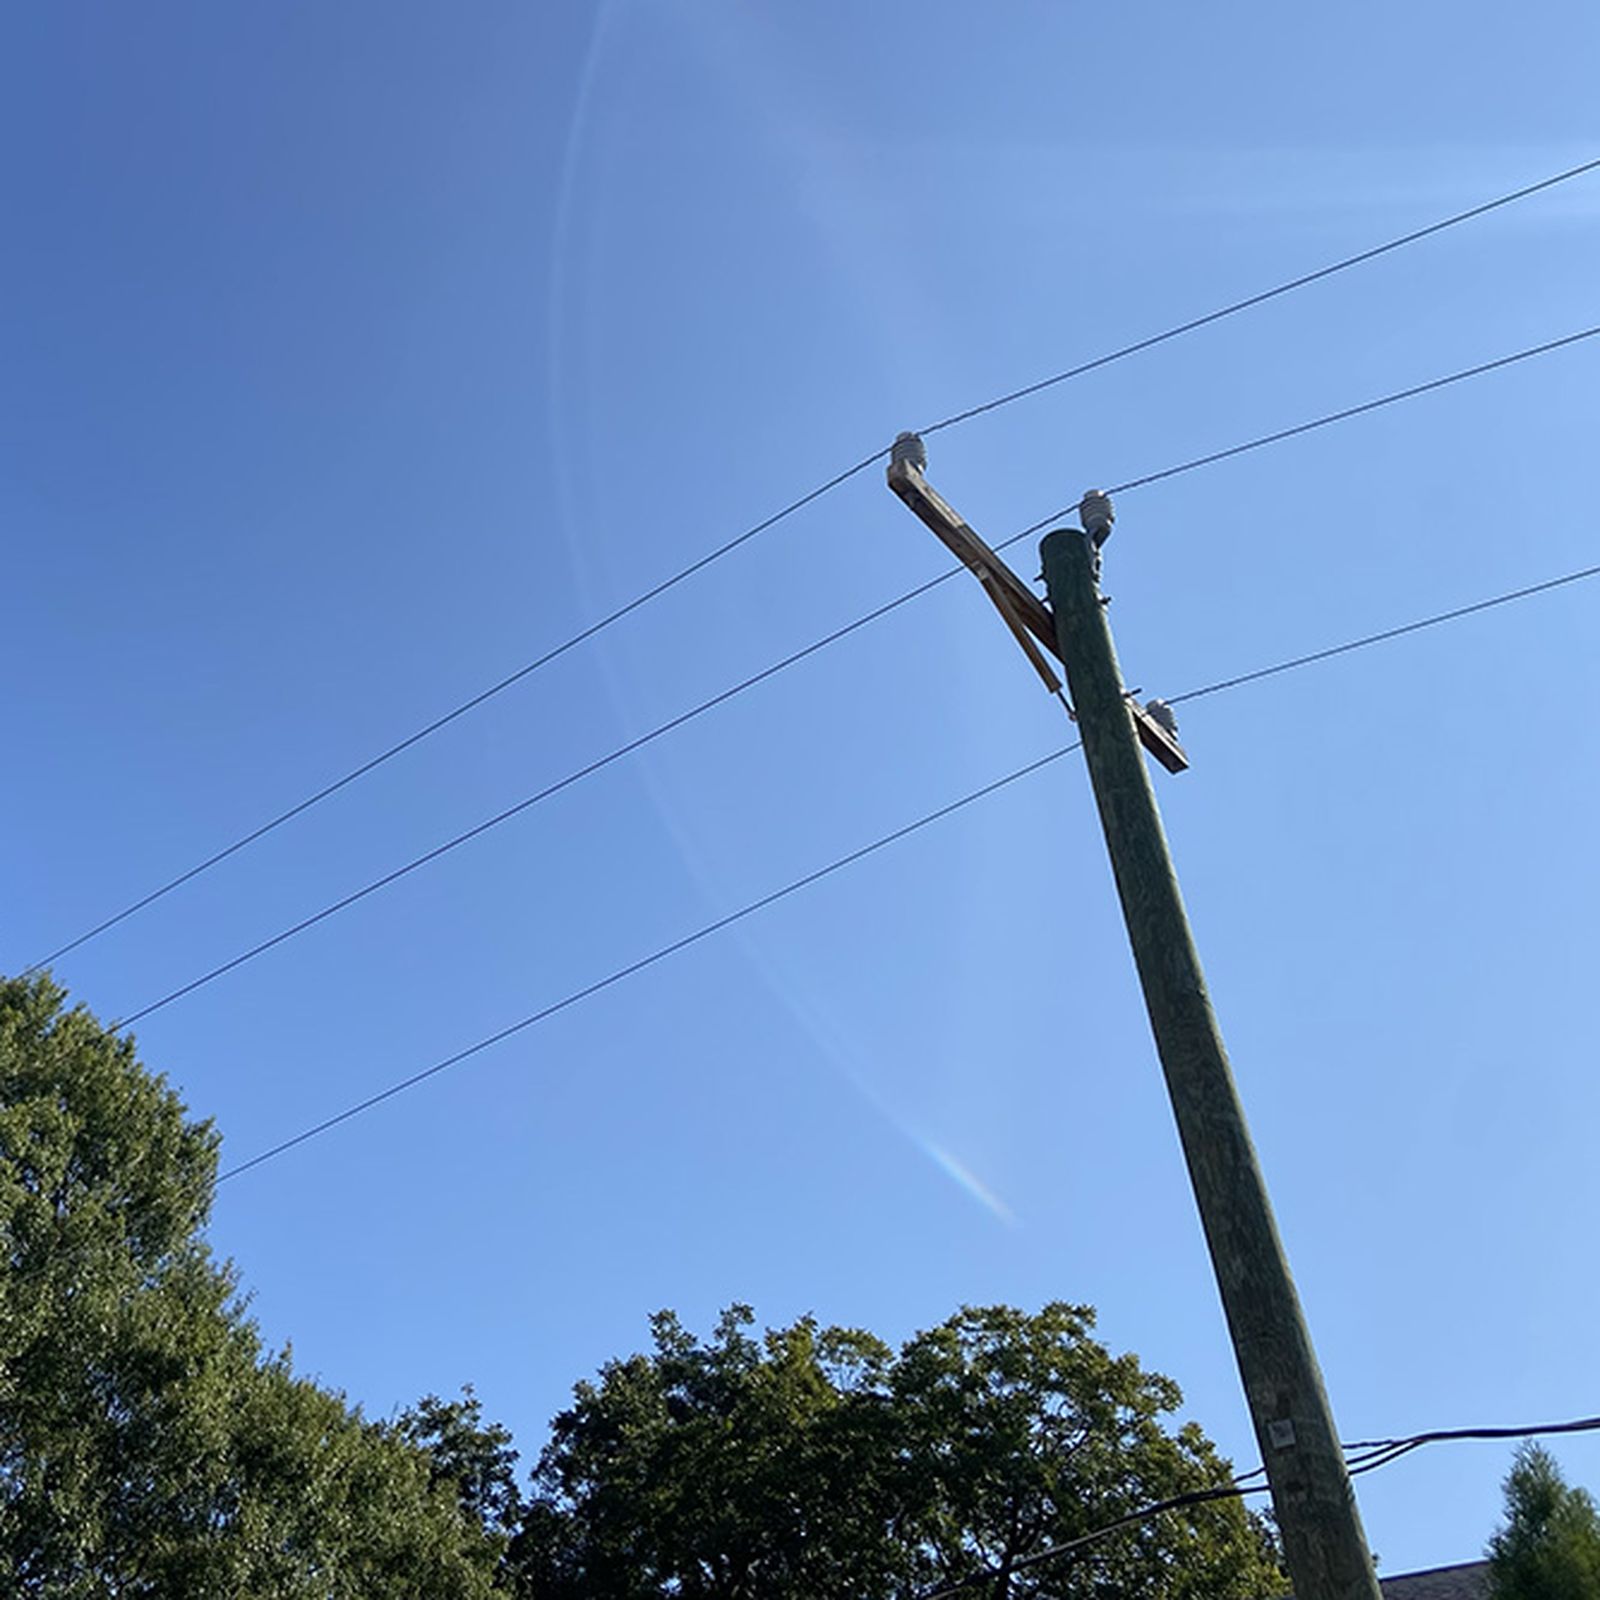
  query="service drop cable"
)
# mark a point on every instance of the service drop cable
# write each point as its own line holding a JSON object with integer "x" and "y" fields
{"x": 1237, "y": 1490}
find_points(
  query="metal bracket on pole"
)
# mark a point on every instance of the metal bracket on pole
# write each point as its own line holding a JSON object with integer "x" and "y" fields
{"x": 1023, "y": 612}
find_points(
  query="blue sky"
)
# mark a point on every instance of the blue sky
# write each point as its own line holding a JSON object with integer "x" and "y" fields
{"x": 355, "y": 355}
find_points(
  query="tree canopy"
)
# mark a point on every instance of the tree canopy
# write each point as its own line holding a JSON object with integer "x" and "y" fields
{"x": 148, "y": 1446}
{"x": 1549, "y": 1545}
{"x": 819, "y": 1462}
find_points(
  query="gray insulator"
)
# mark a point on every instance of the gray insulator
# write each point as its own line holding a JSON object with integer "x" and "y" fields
{"x": 1095, "y": 509}
{"x": 909, "y": 448}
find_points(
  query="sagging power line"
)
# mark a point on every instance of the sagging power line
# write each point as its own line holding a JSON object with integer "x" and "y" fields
{"x": 616, "y": 615}
{"x": 526, "y": 804}
{"x": 854, "y": 856}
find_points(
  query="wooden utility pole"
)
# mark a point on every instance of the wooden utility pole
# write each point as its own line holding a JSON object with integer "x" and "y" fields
{"x": 1316, "y": 1511}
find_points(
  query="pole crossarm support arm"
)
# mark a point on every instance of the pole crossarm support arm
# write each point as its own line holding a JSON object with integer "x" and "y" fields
{"x": 935, "y": 512}
{"x": 1023, "y": 612}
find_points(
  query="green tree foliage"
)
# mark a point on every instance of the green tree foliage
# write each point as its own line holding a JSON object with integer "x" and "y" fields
{"x": 816, "y": 1463}
{"x": 472, "y": 1457}
{"x": 147, "y": 1446}
{"x": 1549, "y": 1546}
{"x": 150, "y": 1448}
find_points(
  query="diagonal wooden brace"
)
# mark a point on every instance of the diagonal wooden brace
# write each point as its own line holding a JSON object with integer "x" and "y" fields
{"x": 1023, "y": 612}
{"x": 1002, "y": 603}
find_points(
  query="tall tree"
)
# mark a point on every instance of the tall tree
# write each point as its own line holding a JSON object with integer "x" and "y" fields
{"x": 148, "y": 1447}
{"x": 1549, "y": 1545}
{"x": 816, "y": 1463}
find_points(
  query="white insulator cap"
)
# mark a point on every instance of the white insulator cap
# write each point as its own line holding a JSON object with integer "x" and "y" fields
{"x": 1162, "y": 714}
{"x": 908, "y": 448}
{"x": 1095, "y": 509}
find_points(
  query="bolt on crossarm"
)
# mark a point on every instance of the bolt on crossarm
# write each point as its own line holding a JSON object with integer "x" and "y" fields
{"x": 1316, "y": 1511}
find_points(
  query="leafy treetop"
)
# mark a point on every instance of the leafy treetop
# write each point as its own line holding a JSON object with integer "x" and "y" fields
{"x": 817, "y": 1462}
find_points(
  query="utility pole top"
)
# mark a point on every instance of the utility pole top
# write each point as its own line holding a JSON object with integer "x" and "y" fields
{"x": 1028, "y": 618}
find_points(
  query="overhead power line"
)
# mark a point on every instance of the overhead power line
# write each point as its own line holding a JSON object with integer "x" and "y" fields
{"x": 1326, "y": 420}
{"x": 646, "y": 961}
{"x": 1240, "y": 1487}
{"x": 450, "y": 716}
{"x": 632, "y": 745}
{"x": 1261, "y": 299}
{"x": 860, "y": 854}
{"x": 1360, "y": 410}
{"x": 827, "y": 486}
{"x": 1387, "y": 634}
{"x": 529, "y": 802}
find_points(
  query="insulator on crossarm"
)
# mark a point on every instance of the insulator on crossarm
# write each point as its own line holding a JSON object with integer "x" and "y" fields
{"x": 1163, "y": 716}
{"x": 908, "y": 449}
